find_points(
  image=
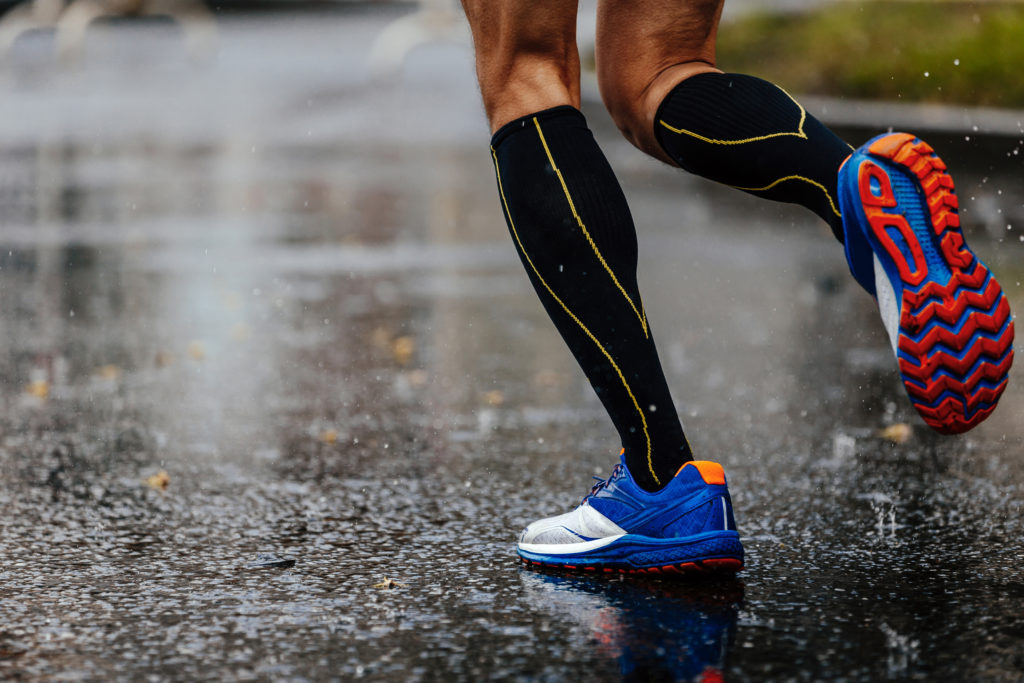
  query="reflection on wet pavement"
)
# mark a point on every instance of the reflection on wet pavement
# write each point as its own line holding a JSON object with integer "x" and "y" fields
{"x": 249, "y": 374}
{"x": 659, "y": 630}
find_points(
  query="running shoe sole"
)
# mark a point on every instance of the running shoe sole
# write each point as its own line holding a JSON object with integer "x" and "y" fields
{"x": 955, "y": 332}
{"x": 716, "y": 552}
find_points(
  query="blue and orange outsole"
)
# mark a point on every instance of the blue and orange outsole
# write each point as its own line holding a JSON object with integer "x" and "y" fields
{"x": 712, "y": 566}
{"x": 955, "y": 339}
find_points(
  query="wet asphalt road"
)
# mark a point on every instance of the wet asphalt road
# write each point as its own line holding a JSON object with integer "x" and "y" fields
{"x": 265, "y": 343}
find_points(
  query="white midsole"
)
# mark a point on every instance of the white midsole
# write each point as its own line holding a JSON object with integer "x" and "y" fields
{"x": 568, "y": 548}
{"x": 888, "y": 306}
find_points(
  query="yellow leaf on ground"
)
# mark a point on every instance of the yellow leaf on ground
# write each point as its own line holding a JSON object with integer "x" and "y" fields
{"x": 389, "y": 583}
{"x": 109, "y": 372}
{"x": 39, "y": 388}
{"x": 897, "y": 433}
{"x": 494, "y": 397}
{"x": 329, "y": 435}
{"x": 196, "y": 350}
{"x": 159, "y": 481}
{"x": 403, "y": 348}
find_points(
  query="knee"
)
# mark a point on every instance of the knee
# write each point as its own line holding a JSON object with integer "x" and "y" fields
{"x": 527, "y": 78}
{"x": 622, "y": 94}
{"x": 638, "y": 67}
{"x": 633, "y": 96}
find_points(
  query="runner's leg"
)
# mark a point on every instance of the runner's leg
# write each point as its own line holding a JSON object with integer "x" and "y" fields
{"x": 570, "y": 222}
{"x": 893, "y": 205}
{"x": 670, "y": 100}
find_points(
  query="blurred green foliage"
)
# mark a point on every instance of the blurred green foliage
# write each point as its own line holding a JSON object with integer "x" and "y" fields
{"x": 947, "y": 52}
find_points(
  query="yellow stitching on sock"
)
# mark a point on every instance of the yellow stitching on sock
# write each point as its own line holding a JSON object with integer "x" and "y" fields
{"x": 579, "y": 221}
{"x": 522, "y": 249}
{"x": 798, "y": 134}
{"x": 794, "y": 177}
{"x": 713, "y": 141}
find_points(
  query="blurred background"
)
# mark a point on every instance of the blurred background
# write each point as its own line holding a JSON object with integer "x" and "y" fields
{"x": 265, "y": 344}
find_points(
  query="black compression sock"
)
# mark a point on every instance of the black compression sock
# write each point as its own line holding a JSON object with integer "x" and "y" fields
{"x": 572, "y": 228}
{"x": 745, "y": 132}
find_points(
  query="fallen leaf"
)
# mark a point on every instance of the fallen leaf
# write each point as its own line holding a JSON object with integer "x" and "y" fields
{"x": 402, "y": 349}
{"x": 389, "y": 583}
{"x": 329, "y": 435}
{"x": 494, "y": 397}
{"x": 159, "y": 481}
{"x": 39, "y": 388}
{"x": 196, "y": 350}
{"x": 897, "y": 433}
{"x": 109, "y": 372}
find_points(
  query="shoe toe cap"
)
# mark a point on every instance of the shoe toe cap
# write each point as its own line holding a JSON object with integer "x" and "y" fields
{"x": 582, "y": 524}
{"x": 550, "y": 530}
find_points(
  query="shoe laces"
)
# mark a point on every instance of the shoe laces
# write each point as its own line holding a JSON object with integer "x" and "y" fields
{"x": 602, "y": 483}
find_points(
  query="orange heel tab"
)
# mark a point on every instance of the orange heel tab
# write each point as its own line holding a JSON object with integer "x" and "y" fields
{"x": 710, "y": 472}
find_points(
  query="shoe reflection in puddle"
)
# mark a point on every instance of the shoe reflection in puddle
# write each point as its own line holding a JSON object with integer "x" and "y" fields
{"x": 656, "y": 629}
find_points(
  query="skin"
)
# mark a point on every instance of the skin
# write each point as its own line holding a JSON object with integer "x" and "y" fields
{"x": 527, "y": 59}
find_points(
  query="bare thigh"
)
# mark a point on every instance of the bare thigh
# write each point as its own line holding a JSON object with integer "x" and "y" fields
{"x": 526, "y": 56}
{"x": 644, "y": 49}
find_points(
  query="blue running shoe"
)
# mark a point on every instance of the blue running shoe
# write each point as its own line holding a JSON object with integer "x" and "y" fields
{"x": 947, "y": 318}
{"x": 686, "y": 527}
